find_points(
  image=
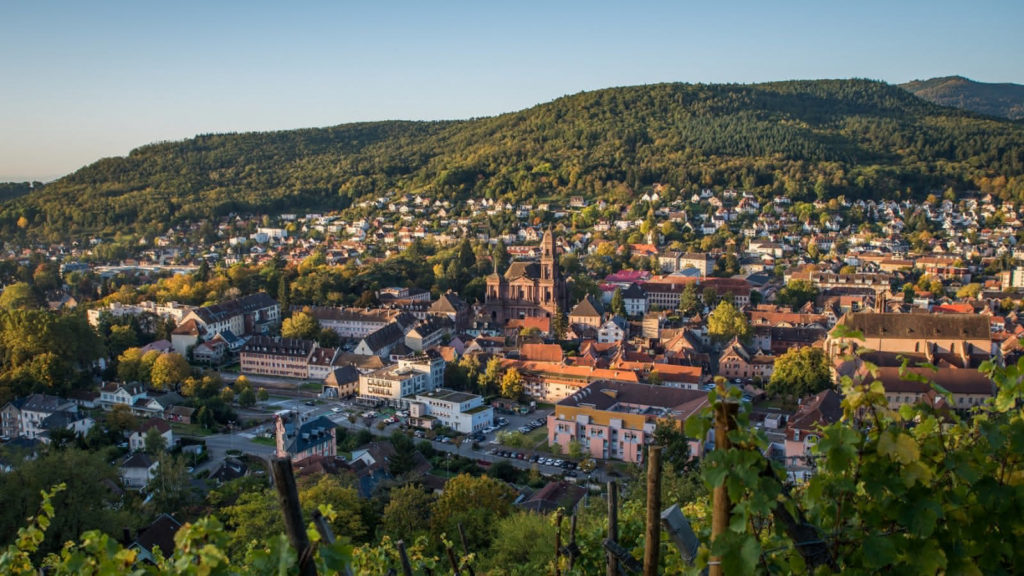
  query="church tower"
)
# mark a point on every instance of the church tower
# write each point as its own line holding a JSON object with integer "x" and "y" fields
{"x": 549, "y": 282}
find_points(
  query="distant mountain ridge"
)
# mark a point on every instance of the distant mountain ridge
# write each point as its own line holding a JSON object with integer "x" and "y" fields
{"x": 801, "y": 139}
{"x": 1004, "y": 100}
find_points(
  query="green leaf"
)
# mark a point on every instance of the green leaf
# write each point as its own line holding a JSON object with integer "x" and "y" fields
{"x": 898, "y": 446}
{"x": 879, "y": 551}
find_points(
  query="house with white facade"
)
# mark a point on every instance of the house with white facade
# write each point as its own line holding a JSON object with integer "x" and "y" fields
{"x": 460, "y": 411}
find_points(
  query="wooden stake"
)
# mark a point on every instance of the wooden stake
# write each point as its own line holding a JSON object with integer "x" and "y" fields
{"x": 558, "y": 541}
{"x": 725, "y": 422}
{"x": 652, "y": 542}
{"x": 452, "y": 560}
{"x": 465, "y": 549}
{"x": 288, "y": 497}
{"x": 404, "y": 557}
{"x": 613, "y": 525}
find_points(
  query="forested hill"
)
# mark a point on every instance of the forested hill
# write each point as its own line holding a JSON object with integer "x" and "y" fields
{"x": 805, "y": 139}
{"x": 1002, "y": 100}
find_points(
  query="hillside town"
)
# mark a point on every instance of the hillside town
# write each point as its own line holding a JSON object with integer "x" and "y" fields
{"x": 597, "y": 326}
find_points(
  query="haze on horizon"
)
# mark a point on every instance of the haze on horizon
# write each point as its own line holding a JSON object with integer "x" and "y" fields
{"x": 84, "y": 81}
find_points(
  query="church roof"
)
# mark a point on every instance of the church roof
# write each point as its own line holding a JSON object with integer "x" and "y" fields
{"x": 522, "y": 269}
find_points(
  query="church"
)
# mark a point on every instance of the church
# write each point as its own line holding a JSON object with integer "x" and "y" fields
{"x": 527, "y": 288}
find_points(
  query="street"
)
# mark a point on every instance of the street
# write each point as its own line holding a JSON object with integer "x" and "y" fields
{"x": 339, "y": 412}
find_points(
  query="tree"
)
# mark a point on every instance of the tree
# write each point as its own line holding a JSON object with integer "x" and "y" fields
{"x": 688, "y": 301}
{"x": 227, "y": 395}
{"x": 796, "y": 293}
{"x": 121, "y": 419}
{"x": 247, "y": 397}
{"x": 518, "y": 544}
{"x": 19, "y": 296}
{"x": 800, "y": 372}
{"x": 85, "y": 503}
{"x": 575, "y": 450}
{"x": 154, "y": 442}
{"x": 503, "y": 470}
{"x": 262, "y": 395}
{"x": 301, "y": 325}
{"x": 171, "y": 487}
{"x": 675, "y": 445}
{"x": 493, "y": 501}
{"x": 169, "y": 370}
{"x": 618, "y": 306}
{"x": 491, "y": 378}
{"x": 559, "y": 323}
{"x": 407, "y": 514}
{"x": 726, "y": 322}
{"x": 404, "y": 458}
{"x": 512, "y": 384}
{"x": 969, "y": 291}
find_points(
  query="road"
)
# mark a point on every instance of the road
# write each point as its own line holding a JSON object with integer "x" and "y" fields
{"x": 219, "y": 444}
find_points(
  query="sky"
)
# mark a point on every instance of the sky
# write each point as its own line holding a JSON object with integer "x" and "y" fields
{"x": 80, "y": 81}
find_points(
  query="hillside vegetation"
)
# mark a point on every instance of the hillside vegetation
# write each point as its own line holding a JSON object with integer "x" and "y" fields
{"x": 805, "y": 139}
{"x": 1002, "y": 100}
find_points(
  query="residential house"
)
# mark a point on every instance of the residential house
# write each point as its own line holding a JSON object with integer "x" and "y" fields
{"x": 137, "y": 470}
{"x": 588, "y": 312}
{"x": 298, "y": 439}
{"x": 461, "y": 411}
{"x": 254, "y": 314}
{"x": 381, "y": 342}
{"x": 804, "y": 428}
{"x": 615, "y": 420}
{"x": 281, "y": 357}
{"x": 137, "y": 440}
{"x": 343, "y": 381}
{"x": 634, "y": 300}
{"x": 737, "y": 361}
{"x": 612, "y": 330}
{"x": 392, "y": 384}
{"x": 429, "y": 333}
{"x": 554, "y": 495}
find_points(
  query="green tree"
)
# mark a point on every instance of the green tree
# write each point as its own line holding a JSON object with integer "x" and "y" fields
{"x": 171, "y": 486}
{"x": 517, "y": 546}
{"x": 617, "y": 305}
{"x": 404, "y": 458}
{"x": 969, "y": 291}
{"x": 407, "y": 514}
{"x": 688, "y": 301}
{"x": 302, "y": 325}
{"x": 493, "y": 501}
{"x": 19, "y": 296}
{"x": 262, "y": 395}
{"x": 247, "y": 398}
{"x": 85, "y": 504}
{"x": 512, "y": 384}
{"x": 491, "y": 378}
{"x": 154, "y": 442}
{"x": 726, "y": 322}
{"x": 675, "y": 446}
{"x": 796, "y": 293}
{"x": 559, "y": 324}
{"x": 169, "y": 370}
{"x": 800, "y": 372}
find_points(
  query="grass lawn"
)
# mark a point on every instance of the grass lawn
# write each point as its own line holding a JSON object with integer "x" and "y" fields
{"x": 189, "y": 429}
{"x": 311, "y": 387}
{"x": 264, "y": 441}
{"x": 537, "y": 436}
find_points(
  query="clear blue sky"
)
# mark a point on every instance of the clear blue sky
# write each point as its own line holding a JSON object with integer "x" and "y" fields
{"x": 85, "y": 80}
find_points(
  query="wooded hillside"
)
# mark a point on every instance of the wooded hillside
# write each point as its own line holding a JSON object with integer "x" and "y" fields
{"x": 804, "y": 139}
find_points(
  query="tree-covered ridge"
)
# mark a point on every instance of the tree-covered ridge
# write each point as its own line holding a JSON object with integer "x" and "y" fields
{"x": 1004, "y": 100}
{"x": 804, "y": 138}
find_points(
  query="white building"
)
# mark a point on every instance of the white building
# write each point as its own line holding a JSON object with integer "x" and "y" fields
{"x": 393, "y": 384}
{"x": 460, "y": 411}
